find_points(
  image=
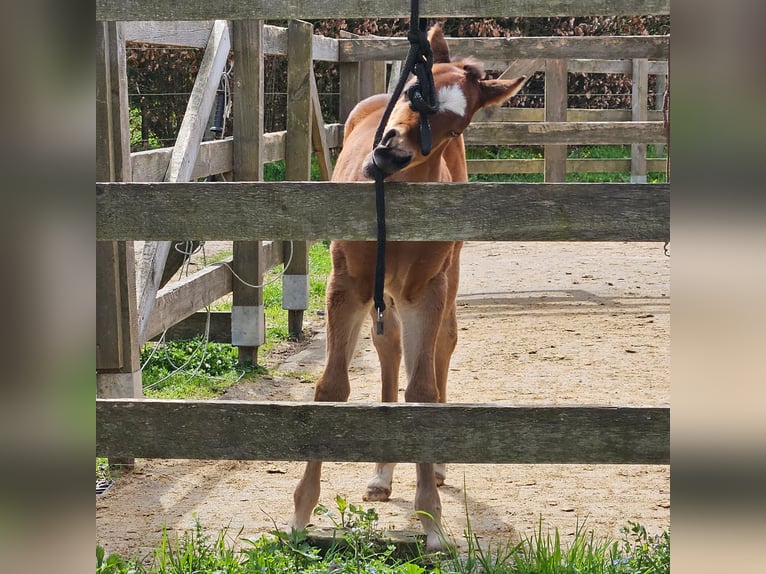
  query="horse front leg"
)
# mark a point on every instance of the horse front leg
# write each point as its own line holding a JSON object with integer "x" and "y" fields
{"x": 447, "y": 341}
{"x": 389, "y": 348}
{"x": 345, "y": 314}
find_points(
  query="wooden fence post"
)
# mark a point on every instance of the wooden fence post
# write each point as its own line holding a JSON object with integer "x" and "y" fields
{"x": 298, "y": 148}
{"x": 640, "y": 92}
{"x": 659, "y": 103}
{"x": 118, "y": 369}
{"x": 555, "y": 111}
{"x": 248, "y": 323}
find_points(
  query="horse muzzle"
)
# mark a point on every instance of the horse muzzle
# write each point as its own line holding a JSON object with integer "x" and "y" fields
{"x": 387, "y": 160}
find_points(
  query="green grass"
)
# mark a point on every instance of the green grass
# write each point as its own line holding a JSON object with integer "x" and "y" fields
{"x": 359, "y": 547}
{"x": 574, "y": 152}
{"x": 195, "y": 370}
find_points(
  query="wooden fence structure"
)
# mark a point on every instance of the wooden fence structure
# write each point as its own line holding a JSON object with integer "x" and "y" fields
{"x": 151, "y": 196}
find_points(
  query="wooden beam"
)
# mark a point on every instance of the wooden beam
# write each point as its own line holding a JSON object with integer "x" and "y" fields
{"x": 213, "y": 157}
{"x": 516, "y": 48}
{"x": 639, "y": 99}
{"x": 319, "y": 134}
{"x": 315, "y": 10}
{"x": 591, "y": 165}
{"x": 300, "y": 70}
{"x": 555, "y": 155}
{"x": 328, "y": 210}
{"x": 117, "y": 352}
{"x": 182, "y": 161}
{"x": 466, "y": 433}
{"x": 495, "y": 114}
{"x": 248, "y": 317}
{"x": 183, "y": 298}
{"x": 188, "y": 34}
{"x": 547, "y": 133}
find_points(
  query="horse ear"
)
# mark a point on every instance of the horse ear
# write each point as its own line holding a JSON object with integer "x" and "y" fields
{"x": 438, "y": 45}
{"x": 495, "y": 92}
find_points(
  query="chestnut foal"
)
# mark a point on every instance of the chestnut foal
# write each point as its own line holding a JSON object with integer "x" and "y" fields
{"x": 421, "y": 277}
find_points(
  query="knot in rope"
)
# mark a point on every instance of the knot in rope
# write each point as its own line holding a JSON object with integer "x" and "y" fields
{"x": 422, "y": 98}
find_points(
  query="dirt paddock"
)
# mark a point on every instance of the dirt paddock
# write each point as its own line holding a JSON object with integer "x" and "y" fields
{"x": 540, "y": 323}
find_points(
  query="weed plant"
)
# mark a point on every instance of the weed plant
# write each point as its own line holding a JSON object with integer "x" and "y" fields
{"x": 359, "y": 549}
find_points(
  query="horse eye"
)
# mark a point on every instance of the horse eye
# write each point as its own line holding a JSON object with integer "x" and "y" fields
{"x": 454, "y": 133}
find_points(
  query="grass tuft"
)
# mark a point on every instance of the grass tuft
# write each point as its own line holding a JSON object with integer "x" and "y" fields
{"x": 358, "y": 549}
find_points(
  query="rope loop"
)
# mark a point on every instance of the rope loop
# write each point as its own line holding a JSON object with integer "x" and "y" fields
{"x": 422, "y": 98}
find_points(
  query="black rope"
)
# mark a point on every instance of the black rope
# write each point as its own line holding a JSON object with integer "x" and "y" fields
{"x": 422, "y": 97}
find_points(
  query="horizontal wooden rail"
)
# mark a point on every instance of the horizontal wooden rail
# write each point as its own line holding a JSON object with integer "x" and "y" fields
{"x": 427, "y": 211}
{"x": 545, "y": 133}
{"x": 495, "y": 114}
{"x": 179, "y": 300}
{"x": 318, "y": 9}
{"x": 195, "y": 34}
{"x": 517, "y": 48}
{"x": 215, "y": 156}
{"x": 593, "y": 165}
{"x": 467, "y": 433}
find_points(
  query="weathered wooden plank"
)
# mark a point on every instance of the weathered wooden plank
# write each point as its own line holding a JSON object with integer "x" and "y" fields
{"x": 640, "y": 94}
{"x": 300, "y": 73}
{"x": 555, "y": 155}
{"x": 248, "y": 322}
{"x": 545, "y": 133}
{"x": 467, "y": 433}
{"x": 214, "y": 157}
{"x": 496, "y": 114}
{"x": 316, "y": 9}
{"x": 111, "y": 164}
{"x": 190, "y": 33}
{"x": 576, "y": 65}
{"x": 591, "y": 165}
{"x": 324, "y": 210}
{"x": 319, "y": 134}
{"x": 183, "y": 298}
{"x": 517, "y": 48}
{"x": 117, "y": 354}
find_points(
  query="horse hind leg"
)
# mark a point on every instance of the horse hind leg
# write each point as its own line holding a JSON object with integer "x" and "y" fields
{"x": 389, "y": 349}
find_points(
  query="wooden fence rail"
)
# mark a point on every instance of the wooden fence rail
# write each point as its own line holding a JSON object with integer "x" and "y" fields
{"x": 416, "y": 211}
{"x": 468, "y": 433}
{"x": 120, "y": 10}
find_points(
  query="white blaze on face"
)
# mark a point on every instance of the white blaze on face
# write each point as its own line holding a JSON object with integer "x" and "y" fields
{"x": 452, "y": 99}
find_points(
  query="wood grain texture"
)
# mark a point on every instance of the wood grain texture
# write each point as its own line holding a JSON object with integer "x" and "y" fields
{"x": 495, "y": 114}
{"x": 467, "y": 433}
{"x": 639, "y": 98}
{"x": 116, "y": 333}
{"x": 555, "y": 155}
{"x": 249, "y": 73}
{"x": 325, "y": 210}
{"x": 590, "y": 165}
{"x": 517, "y": 48}
{"x": 545, "y": 133}
{"x": 322, "y": 9}
{"x": 183, "y": 298}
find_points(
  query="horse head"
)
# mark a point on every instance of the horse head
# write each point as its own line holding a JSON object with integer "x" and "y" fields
{"x": 461, "y": 91}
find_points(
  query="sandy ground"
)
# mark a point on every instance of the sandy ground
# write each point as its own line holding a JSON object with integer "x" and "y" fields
{"x": 540, "y": 323}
